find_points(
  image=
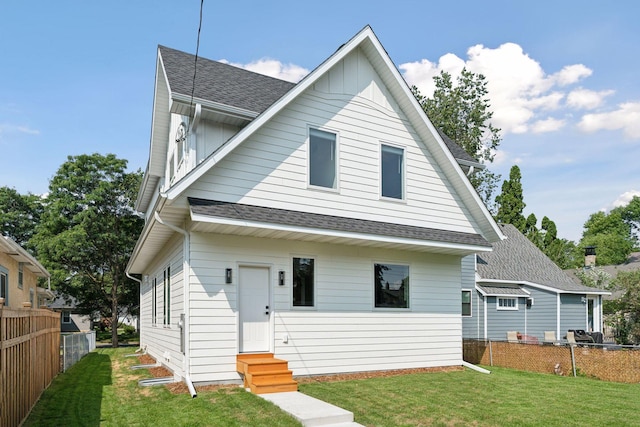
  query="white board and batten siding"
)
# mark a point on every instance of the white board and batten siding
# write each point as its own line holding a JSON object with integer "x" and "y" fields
{"x": 162, "y": 341}
{"x": 343, "y": 332}
{"x": 270, "y": 167}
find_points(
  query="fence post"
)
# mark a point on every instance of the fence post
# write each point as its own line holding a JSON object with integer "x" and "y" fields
{"x": 573, "y": 360}
{"x": 490, "y": 354}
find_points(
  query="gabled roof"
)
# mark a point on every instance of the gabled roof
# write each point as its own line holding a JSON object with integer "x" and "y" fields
{"x": 399, "y": 90}
{"x": 219, "y": 82}
{"x": 15, "y": 251}
{"x": 517, "y": 260}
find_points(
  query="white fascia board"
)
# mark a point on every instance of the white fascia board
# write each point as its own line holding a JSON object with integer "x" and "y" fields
{"x": 228, "y": 110}
{"x": 544, "y": 287}
{"x": 338, "y": 234}
{"x": 146, "y": 230}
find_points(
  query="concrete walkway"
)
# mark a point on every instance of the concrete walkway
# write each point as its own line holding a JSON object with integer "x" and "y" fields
{"x": 310, "y": 411}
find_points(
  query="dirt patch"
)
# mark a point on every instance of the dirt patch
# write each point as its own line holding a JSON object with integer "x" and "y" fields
{"x": 160, "y": 372}
{"x": 145, "y": 359}
{"x": 374, "y": 374}
{"x": 181, "y": 387}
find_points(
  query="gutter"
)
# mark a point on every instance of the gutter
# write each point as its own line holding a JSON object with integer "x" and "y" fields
{"x": 186, "y": 297}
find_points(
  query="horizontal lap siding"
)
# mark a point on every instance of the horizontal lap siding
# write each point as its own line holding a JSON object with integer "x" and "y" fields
{"x": 325, "y": 342}
{"x": 471, "y": 325}
{"x": 573, "y": 313}
{"x": 543, "y": 314}
{"x": 499, "y": 322}
{"x": 270, "y": 168}
{"x": 164, "y": 340}
{"x": 426, "y": 335}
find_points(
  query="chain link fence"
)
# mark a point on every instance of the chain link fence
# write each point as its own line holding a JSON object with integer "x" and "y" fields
{"x": 608, "y": 362}
{"x": 75, "y": 346}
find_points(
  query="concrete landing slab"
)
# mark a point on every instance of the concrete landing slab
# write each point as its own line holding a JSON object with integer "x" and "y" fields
{"x": 310, "y": 411}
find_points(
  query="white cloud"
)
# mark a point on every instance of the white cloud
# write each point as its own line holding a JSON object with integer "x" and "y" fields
{"x": 586, "y": 99}
{"x": 274, "y": 68}
{"x": 625, "y": 118}
{"x": 571, "y": 74}
{"x": 625, "y": 198}
{"x": 519, "y": 88}
{"x": 7, "y": 128}
{"x": 547, "y": 125}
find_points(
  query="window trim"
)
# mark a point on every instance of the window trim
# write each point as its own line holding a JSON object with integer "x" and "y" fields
{"x": 336, "y": 188}
{"x": 470, "y": 303}
{"x": 62, "y": 317}
{"x": 403, "y": 173}
{"x": 166, "y": 297}
{"x": 154, "y": 302}
{"x": 373, "y": 287}
{"x": 315, "y": 281}
{"x": 507, "y": 308}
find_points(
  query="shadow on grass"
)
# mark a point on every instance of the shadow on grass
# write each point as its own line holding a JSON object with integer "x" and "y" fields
{"x": 74, "y": 398}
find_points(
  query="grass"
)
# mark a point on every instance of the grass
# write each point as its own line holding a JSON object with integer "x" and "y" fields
{"x": 102, "y": 390}
{"x": 465, "y": 398}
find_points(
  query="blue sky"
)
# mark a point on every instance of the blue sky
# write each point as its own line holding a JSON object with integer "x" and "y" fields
{"x": 77, "y": 77}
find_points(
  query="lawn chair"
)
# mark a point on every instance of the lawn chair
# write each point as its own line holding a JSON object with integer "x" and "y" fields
{"x": 512, "y": 336}
{"x": 550, "y": 337}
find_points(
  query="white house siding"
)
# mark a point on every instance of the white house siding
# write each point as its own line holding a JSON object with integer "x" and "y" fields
{"x": 343, "y": 332}
{"x": 163, "y": 341}
{"x": 270, "y": 168}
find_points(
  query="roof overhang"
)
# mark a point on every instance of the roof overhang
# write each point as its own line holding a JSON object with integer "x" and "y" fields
{"x": 15, "y": 251}
{"x": 498, "y": 282}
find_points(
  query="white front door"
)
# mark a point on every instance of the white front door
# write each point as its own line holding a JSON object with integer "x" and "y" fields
{"x": 254, "y": 309}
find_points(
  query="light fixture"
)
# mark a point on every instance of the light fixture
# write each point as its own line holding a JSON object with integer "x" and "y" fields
{"x": 228, "y": 276}
{"x": 281, "y": 277}
{"x": 584, "y": 300}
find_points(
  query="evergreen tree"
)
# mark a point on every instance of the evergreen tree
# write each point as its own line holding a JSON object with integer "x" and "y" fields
{"x": 511, "y": 201}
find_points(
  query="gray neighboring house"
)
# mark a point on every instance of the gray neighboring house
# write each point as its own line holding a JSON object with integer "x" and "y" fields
{"x": 518, "y": 288}
{"x": 70, "y": 319}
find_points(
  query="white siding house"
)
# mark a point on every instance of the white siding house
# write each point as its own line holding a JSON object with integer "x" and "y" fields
{"x": 323, "y": 221}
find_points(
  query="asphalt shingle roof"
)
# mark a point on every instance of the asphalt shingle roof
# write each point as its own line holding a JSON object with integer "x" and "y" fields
{"x": 517, "y": 259}
{"x": 457, "y": 151}
{"x": 220, "y": 82}
{"x": 502, "y": 290}
{"x": 329, "y": 222}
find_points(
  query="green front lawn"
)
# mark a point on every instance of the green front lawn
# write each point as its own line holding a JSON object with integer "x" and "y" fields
{"x": 102, "y": 390}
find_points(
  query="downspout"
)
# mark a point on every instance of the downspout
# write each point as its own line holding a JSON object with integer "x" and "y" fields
{"x": 484, "y": 297}
{"x": 558, "y": 315}
{"x": 186, "y": 298}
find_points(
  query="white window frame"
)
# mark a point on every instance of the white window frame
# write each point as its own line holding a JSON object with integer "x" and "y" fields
{"x": 470, "y": 303}
{"x": 403, "y": 172}
{"x": 315, "y": 283}
{"x": 373, "y": 287}
{"x": 20, "y": 275}
{"x": 65, "y": 317}
{"x": 508, "y": 307}
{"x": 336, "y": 187}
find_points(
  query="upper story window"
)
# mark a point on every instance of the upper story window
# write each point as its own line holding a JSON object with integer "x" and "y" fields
{"x": 323, "y": 159}
{"x": 391, "y": 283}
{"x": 507, "y": 303}
{"x": 392, "y": 172}
{"x": 178, "y": 151}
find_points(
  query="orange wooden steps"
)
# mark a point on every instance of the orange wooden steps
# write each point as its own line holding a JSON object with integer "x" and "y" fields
{"x": 263, "y": 373}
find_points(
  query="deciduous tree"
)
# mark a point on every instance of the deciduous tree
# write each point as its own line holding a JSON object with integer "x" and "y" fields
{"x": 88, "y": 231}
{"x": 19, "y": 215}
{"x": 462, "y": 112}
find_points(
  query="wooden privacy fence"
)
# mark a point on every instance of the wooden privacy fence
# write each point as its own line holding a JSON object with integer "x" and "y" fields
{"x": 606, "y": 362}
{"x": 29, "y": 359}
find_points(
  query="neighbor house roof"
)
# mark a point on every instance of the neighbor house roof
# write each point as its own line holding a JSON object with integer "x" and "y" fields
{"x": 517, "y": 260}
{"x": 17, "y": 252}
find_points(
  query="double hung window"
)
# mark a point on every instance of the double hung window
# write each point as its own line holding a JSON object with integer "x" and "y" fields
{"x": 466, "y": 303}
